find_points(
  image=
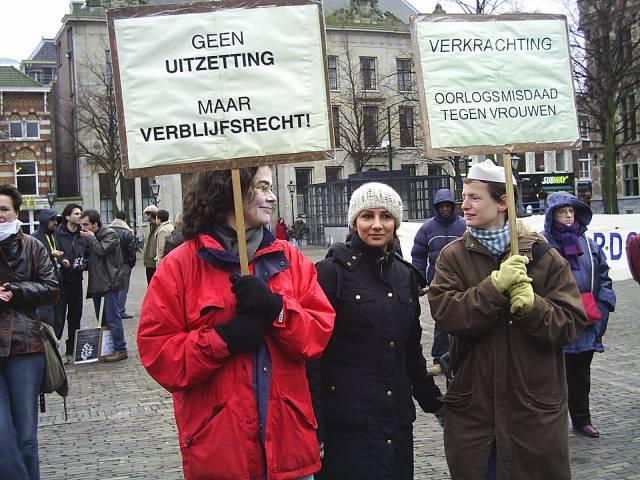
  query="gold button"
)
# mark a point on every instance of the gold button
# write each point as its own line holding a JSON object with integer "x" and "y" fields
{"x": 332, "y": 388}
{"x": 389, "y": 294}
{"x": 389, "y": 393}
{"x": 357, "y": 297}
{"x": 354, "y": 257}
{"x": 392, "y": 344}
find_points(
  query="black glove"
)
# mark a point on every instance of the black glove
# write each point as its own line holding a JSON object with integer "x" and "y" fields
{"x": 428, "y": 395}
{"x": 243, "y": 333}
{"x": 255, "y": 298}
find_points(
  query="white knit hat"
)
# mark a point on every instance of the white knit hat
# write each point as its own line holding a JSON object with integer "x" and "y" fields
{"x": 488, "y": 171}
{"x": 375, "y": 195}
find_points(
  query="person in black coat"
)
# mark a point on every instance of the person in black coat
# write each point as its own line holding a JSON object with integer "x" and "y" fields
{"x": 364, "y": 383}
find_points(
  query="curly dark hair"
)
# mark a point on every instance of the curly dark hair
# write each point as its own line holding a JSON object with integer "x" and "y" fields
{"x": 210, "y": 199}
{"x": 13, "y": 193}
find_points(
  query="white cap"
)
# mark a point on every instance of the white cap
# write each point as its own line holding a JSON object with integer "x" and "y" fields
{"x": 375, "y": 195}
{"x": 488, "y": 171}
{"x": 150, "y": 209}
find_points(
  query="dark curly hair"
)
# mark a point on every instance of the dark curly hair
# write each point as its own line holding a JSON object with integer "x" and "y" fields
{"x": 210, "y": 199}
{"x": 13, "y": 193}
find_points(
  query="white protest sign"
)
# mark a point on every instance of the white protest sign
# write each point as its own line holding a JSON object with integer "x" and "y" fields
{"x": 220, "y": 85}
{"x": 495, "y": 84}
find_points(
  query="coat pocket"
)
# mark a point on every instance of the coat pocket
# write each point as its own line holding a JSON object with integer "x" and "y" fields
{"x": 457, "y": 401}
{"x": 358, "y": 310}
{"x": 544, "y": 401}
{"x": 204, "y": 424}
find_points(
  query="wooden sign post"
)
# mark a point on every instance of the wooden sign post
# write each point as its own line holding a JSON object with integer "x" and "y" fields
{"x": 495, "y": 85}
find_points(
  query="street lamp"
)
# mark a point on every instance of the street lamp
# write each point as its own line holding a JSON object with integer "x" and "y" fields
{"x": 155, "y": 191}
{"x": 515, "y": 163}
{"x": 292, "y": 189}
{"x": 51, "y": 198}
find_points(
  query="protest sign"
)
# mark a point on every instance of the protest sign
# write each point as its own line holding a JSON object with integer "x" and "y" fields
{"x": 86, "y": 345}
{"x": 495, "y": 84}
{"x": 214, "y": 86}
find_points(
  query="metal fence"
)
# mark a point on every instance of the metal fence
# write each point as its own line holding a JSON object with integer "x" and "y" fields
{"x": 326, "y": 204}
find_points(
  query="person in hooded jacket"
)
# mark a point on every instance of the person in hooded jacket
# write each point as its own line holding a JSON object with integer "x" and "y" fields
{"x": 364, "y": 383}
{"x": 508, "y": 317}
{"x": 445, "y": 226}
{"x": 232, "y": 349}
{"x": 27, "y": 281}
{"x": 129, "y": 249}
{"x": 45, "y": 233}
{"x": 566, "y": 222}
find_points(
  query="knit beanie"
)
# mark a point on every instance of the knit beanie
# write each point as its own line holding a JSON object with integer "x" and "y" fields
{"x": 375, "y": 195}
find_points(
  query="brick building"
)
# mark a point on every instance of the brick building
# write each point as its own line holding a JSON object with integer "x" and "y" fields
{"x": 26, "y": 158}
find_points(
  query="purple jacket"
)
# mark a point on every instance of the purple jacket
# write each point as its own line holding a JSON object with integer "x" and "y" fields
{"x": 434, "y": 234}
{"x": 591, "y": 337}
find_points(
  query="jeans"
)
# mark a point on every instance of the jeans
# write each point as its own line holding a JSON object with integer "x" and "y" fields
{"x": 122, "y": 294}
{"x": 111, "y": 317}
{"x": 69, "y": 306}
{"x": 440, "y": 343}
{"x": 20, "y": 379}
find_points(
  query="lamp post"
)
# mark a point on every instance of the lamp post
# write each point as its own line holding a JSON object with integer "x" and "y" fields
{"x": 51, "y": 198}
{"x": 155, "y": 191}
{"x": 292, "y": 189}
{"x": 515, "y": 163}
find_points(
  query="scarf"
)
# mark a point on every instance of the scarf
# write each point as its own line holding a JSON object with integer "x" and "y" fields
{"x": 9, "y": 228}
{"x": 496, "y": 241}
{"x": 229, "y": 239}
{"x": 569, "y": 238}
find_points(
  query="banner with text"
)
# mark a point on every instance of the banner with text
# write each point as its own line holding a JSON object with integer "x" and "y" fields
{"x": 218, "y": 86}
{"x": 493, "y": 84}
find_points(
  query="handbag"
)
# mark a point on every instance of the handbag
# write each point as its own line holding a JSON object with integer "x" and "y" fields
{"x": 588, "y": 300}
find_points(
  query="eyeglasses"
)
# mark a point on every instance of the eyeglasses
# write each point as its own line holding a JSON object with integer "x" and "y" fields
{"x": 265, "y": 189}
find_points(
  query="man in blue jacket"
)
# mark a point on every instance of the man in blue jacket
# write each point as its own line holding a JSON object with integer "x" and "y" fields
{"x": 445, "y": 226}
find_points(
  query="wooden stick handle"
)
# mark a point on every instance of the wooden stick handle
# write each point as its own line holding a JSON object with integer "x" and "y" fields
{"x": 239, "y": 211}
{"x": 511, "y": 203}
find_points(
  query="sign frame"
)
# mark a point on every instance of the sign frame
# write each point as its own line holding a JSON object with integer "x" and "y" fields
{"x": 235, "y": 163}
{"x": 484, "y": 149}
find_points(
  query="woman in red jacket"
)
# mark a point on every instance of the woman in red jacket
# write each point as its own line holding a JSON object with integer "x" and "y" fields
{"x": 281, "y": 229}
{"x": 231, "y": 349}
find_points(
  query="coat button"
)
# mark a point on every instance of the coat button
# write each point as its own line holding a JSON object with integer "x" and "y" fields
{"x": 510, "y": 322}
{"x": 282, "y": 264}
{"x": 332, "y": 388}
{"x": 265, "y": 274}
{"x": 357, "y": 297}
{"x": 389, "y": 393}
{"x": 389, "y": 294}
{"x": 266, "y": 369}
{"x": 392, "y": 344}
{"x": 389, "y": 442}
{"x": 353, "y": 257}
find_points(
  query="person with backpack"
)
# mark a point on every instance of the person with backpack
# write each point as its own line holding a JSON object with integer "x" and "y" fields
{"x": 565, "y": 226}
{"x": 129, "y": 248}
{"x": 27, "y": 281}
{"x": 364, "y": 384}
{"x": 508, "y": 317}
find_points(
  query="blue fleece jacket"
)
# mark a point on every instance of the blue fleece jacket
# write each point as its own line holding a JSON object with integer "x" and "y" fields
{"x": 591, "y": 338}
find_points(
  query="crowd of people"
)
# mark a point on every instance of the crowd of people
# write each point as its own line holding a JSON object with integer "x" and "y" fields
{"x": 302, "y": 371}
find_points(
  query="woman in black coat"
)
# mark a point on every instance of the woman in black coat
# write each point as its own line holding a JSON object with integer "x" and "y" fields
{"x": 373, "y": 365}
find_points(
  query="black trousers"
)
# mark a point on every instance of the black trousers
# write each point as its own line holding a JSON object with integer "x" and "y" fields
{"x": 578, "y": 367}
{"x": 150, "y": 272}
{"x": 69, "y": 308}
{"x": 440, "y": 343}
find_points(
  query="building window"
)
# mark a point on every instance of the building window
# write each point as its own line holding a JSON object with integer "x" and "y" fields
{"x": 15, "y": 129}
{"x": 584, "y": 168}
{"x": 405, "y": 74}
{"x": 335, "y": 114}
{"x": 27, "y": 177}
{"x": 584, "y": 129}
{"x": 368, "y": 69}
{"x": 539, "y": 161}
{"x": 332, "y": 63}
{"x": 628, "y": 117}
{"x": 33, "y": 130}
{"x": 434, "y": 170}
{"x": 561, "y": 161}
{"x": 105, "y": 198}
{"x": 630, "y": 171}
{"x": 333, "y": 174}
{"x": 370, "y": 125}
{"x": 409, "y": 169}
{"x": 29, "y": 219}
{"x": 406, "y": 127}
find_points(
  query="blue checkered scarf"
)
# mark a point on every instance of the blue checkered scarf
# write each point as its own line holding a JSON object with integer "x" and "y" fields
{"x": 496, "y": 241}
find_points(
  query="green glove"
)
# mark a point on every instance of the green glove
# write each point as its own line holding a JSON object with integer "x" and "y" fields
{"x": 522, "y": 298}
{"x": 512, "y": 271}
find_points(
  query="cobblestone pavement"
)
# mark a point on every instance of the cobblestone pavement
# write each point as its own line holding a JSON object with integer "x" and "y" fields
{"x": 121, "y": 422}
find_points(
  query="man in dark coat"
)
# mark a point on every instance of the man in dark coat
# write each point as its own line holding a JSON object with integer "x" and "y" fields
{"x": 45, "y": 233}
{"x": 129, "y": 248}
{"x": 72, "y": 260}
{"x": 105, "y": 278}
{"x": 445, "y": 226}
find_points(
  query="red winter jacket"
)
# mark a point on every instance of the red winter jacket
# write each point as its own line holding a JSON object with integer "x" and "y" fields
{"x": 214, "y": 401}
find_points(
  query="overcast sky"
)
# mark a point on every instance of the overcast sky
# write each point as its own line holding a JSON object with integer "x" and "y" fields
{"x": 42, "y": 17}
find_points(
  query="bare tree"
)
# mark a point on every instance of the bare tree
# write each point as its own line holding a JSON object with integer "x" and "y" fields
{"x": 606, "y": 62}
{"x": 488, "y": 7}
{"x": 365, "y": 102}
